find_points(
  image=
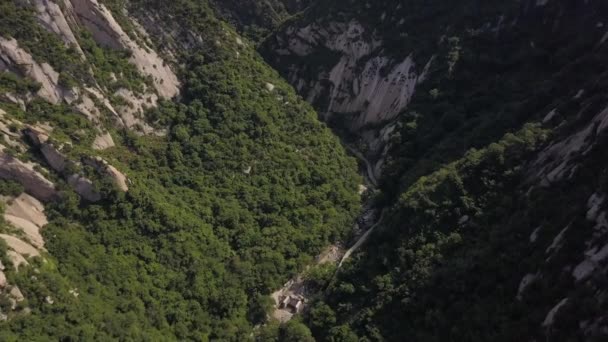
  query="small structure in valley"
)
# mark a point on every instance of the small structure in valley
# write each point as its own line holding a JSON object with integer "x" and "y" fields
{"x": 293, "y": 303}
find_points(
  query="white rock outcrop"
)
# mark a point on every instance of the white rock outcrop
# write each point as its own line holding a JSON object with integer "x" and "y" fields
{"x": 534, "y": 235}
{"x": 91, "y": 102}
{"x": 3, "y": 281}
{"x": 64, "y": 18}
{"x": 27, "y": 214}
{"x": 86, "y": 106}
{"x": 52, "y": 18}
{"x": 31, "y": 231}
{"x": 557, "y": 241}
{"x": 14, "y": 59}
{"x": 28, "y": 208}
{"x": 103, "y": 167}
{"x": 358, "y": 84}
{"x": 103, "y": 141}
{"x": 597, "y": 249}
{"x": 9, "y": 135}
{"x": 20, "y": 246}
{"x": 106, "y": 31}
{"x": 59, "y": 162}
{"x": 17, "y": 259}
{"x": 16, "y": 294}
{"x": 40, "y": 139}
{"x": 377, "y": 97}
{"x": 523, "y": 284}
{"x": 364, "y": 83}
{"x": 269, "y": 86}
{"x": 34, "y": 183}
{"x": 119, "y": 178}
{"x": 132, "y": 115}
{"x": 53, "y": 157}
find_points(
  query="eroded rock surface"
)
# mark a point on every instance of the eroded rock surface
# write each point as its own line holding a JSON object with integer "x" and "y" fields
{"x": 357, "y": 82}
{"x": 34, "y": 183}
{"x": 106, "y": 31}
{"x": 27, "y": 214}
{"x": 84, "y": 187}
{"x": 103, "y": 141}
{"x": 52, "y": 18}
{"x": 104, "y": 168}
{"x": 14, "y": 59}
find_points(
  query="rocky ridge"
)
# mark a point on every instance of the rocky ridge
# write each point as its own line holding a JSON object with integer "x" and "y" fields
{"x": 355, "y": 56}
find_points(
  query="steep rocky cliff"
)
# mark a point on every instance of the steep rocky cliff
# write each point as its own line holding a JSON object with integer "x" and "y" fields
{"x": 159, "y": 180}
{"x": 360, "y": 63}
{"x": 83, "y": 94}
{"x": 487, "y": 236}
{"x": 256, "y": 19}
{"x": 170, "y": 160}
{"x": 363, "y": 82}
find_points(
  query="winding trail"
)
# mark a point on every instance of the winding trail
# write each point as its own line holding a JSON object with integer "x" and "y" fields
{"x": 296, "y": 287}
{"x": 370, "y": 176}
{"x": 361, "y": 240}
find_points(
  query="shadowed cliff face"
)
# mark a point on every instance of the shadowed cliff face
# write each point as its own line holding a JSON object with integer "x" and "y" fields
{"x": 360, "y": 63}
{"x": 185, "y": 180}
{"x": 428, "y": 91}
{"x": 255, "y": 19}
{"x": 363, "y": 60}
{"x": 170, "y": 160}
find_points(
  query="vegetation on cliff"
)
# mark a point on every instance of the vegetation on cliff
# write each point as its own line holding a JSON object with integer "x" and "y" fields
{"x": 244, "y": 189}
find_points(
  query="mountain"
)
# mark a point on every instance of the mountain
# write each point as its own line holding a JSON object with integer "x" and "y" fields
{"x": 485, "y": 123}
{"x": 159, "y": 180}
{"x": 257, "y": 19}
{"x": 187, "y": 170}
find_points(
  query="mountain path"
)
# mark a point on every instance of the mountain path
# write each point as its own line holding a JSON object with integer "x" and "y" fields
{"x": 296, "y": 287}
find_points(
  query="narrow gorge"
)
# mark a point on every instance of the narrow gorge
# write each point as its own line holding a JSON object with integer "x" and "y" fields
{"x": 300, "y": 170}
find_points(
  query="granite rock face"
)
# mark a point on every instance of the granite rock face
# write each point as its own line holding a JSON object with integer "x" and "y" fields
{"x": 33, "y": 181}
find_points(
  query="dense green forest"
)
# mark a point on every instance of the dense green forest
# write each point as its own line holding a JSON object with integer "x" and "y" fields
{"x": 235, "y": 186}
{"x": 256, "y": 19}
{"x": 242, "y": 192}
{"x": 453, "y": 247}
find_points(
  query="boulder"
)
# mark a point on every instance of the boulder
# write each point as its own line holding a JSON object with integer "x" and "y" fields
{"x": 31, "y": 231}
{"x": 36, "y": 136}
{"x": 28, "y": 208}
{"x": 12, "y": 98}
{"x": 106, "y": 169}
{"x": 20, "y": 246}
{"x": 34, "y": 183}
{"x": 54, "y": 158}
{"x": 103, "y": 141}
{"x": 119, "y": 178}
{"x": 84, "y": 187}
{"x": 16, "y": 294}
{"x": 269, "y": 86}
